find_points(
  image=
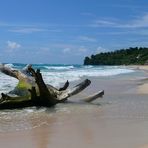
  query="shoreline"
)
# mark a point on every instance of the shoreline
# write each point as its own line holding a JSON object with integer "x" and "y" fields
{"x": 118, "y": 120}
{"x": 143, "y": 87}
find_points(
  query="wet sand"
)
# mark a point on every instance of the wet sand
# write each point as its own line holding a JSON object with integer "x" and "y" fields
{"x": 118, "y": 120}
{"x": 143, "y": 88}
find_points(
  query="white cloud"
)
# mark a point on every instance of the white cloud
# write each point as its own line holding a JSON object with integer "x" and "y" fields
{"x": 27, "y": 30}
{"x": 101, "y": 49}
{"x": 13, "y": 45}
{"x": 87, "y": 39}
{"x": 66, "y": 50}
{"x": 103, "y": 23}
{"x": 79, "y": 50}
{"x": 32, "y": 29}
{"x": 138, "y": 22}
{"x": 82, "y": 49}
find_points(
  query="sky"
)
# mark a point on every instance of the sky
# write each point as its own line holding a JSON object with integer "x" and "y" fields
{"x": 65, "y": 31}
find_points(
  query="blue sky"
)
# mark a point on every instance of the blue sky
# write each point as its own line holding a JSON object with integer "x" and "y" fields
{"x": 65, "y": 31}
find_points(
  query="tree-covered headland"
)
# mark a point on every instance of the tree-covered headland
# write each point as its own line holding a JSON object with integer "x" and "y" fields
{"x": 130, "y": 56}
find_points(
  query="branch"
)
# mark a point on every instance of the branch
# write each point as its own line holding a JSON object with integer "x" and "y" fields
{"x": 26, "y": 71}
{"x": 65, "y": 86}
{"x": 8, "y": 71}
{"x": 78, "y": 88}
{"x": 63, "y": 95}
{"x": 47, "y": 98}
{"x": 94, "y": 96}
{"x": 7, "y": 102}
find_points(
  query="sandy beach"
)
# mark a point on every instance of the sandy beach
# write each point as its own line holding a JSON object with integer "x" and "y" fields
{"x": 74, "y": 74}
{"x": 118, "y": 120}
{"x": 143, "y": 88}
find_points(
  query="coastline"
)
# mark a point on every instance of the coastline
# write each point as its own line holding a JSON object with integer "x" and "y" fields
{"x": 143, "y": 86}
{"x": 119, "y": 119}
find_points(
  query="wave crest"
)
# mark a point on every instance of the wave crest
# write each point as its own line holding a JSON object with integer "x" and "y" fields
{"x": 59, "y": 67}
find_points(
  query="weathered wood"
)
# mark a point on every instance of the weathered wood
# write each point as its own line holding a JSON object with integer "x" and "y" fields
{"x": 8, "y": 71}
{"x": 78, "y": 88}
{"x": 46, "y": 98}
{"x": 7, "y": 102}
{"x": 94, "y": 96}
{"x": 32, "y": 90}
{"x": 65, "y": 86}
{"x": 34, "y": 96}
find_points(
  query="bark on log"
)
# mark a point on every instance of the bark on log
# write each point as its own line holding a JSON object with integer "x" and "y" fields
{"x": 7, "y": 102}
{"x": 65, "y": 86}
{"x": 47, "y": 98}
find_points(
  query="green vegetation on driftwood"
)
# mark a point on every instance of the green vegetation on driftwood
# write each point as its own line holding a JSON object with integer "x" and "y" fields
{"x": 131, "y": 56}
{"x": 32, "y": 90}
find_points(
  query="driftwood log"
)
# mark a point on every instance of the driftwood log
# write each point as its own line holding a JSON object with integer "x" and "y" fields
{"x": 32, "y": 90}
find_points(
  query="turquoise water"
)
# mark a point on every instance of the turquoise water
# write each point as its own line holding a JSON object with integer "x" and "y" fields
{"x": 57, "y": 74}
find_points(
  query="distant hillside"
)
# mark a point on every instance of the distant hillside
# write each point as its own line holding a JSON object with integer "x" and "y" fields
{"x": 128, "y": 56}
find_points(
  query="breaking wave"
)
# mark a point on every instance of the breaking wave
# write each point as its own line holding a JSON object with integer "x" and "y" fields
{"x": 57, "y": 74}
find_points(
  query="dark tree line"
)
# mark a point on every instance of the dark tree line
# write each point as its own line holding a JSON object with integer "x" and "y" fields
{"x": 138, "y": 56}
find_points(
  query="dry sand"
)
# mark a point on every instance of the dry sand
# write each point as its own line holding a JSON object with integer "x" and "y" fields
{"x": 145, "y": 146}
{"x": 119, "y": 120}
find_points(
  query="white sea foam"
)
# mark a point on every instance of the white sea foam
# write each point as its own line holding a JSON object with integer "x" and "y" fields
{"x": 55, "y": 78}
{"x": 9, "y": 65}
{"x": 59, "y": 67}
{"x": 88, "y": 66}
{"x": 7, "y": 83}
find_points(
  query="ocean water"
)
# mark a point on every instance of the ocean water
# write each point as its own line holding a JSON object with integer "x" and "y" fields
{"x": 57, "y": 74}
{"x": 77, "y": 120}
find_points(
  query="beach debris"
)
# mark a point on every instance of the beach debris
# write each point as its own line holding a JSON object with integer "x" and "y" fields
{"x": 31, "y": 90}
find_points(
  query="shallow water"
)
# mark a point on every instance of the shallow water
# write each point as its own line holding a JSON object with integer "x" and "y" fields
{"x": 118, "y": 120}
{"x": 107, "y": 123}
{"x": 122, "y": 107}
{"x": 29, "y": 118}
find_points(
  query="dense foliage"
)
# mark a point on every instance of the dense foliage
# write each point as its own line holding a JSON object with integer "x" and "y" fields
{"x": 128, "y": 56}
